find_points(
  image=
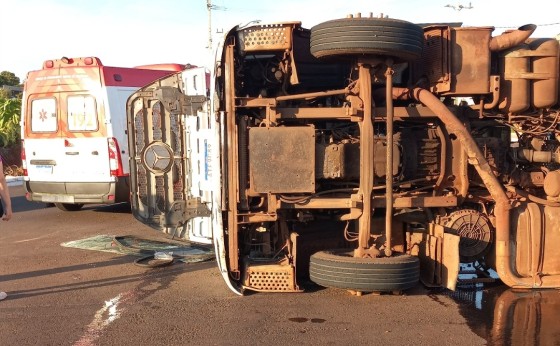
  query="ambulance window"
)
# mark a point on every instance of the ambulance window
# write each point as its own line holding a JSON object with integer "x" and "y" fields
{"x": 82, "y": 115}
{"x": 43, "y": 115}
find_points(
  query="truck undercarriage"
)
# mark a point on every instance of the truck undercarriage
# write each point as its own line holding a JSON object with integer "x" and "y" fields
{"x": 366, "y": 154}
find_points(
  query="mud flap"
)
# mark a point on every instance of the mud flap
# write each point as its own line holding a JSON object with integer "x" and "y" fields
{"x": 439, "y": 258}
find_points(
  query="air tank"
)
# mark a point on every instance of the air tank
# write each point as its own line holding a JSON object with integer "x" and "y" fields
{"x": 529, "y": 73}
{"x": 515, "y": 66}
{"x": 544, "y": 64}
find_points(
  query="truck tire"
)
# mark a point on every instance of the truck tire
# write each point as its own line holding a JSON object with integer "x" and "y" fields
{"x": 367, "y": 37}
{"x": 339, "y": 269}
{"x": 69, "y": 206}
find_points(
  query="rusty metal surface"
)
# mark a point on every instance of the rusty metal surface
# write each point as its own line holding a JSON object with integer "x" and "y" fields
{"x": 266, "y": 37}
{"x": 470, "y": 61}
{"x": 450, "y": 261}
{"x": 435, "y": 59}
{"x": 457, "y": 60}
{"x": 439, "y": 257}
{"x": 515, "y": 89}
{"x": 536, "y": 237}
{"x": 551, "y": 184}
{"x": 544, "y": 65}
{"x": 367, "y": 155}
{"x": 334, "y": 161}
{"x": 341, "y": 160}
{"x": 530, "y": 75}
{"x": 231, "y": 169}
{"x": 270, "y": 278}
{"x": 282, "y": 159}
{"x": 389, "y": 121}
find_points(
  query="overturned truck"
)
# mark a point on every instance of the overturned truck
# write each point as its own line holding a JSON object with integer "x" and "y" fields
{"x": 364, "y": 154}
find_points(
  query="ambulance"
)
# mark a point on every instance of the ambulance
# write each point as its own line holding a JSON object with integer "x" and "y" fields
{"x": 73, "y": 130}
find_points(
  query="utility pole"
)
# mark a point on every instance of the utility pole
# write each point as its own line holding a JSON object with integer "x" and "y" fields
{"x": 210, "y": 7}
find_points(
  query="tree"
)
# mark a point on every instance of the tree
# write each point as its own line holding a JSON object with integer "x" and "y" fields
{"x": 8, "y": 78}
{"x": 10, "y": 110}
{"x": 4, "y": 94}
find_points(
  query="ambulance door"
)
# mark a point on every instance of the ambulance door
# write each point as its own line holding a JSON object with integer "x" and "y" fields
{"x": 41, "y": 137}
{"x": 85, "y": 153}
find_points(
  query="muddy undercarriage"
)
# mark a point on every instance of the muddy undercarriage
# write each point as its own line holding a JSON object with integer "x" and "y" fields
{"x": 370, "y": 166}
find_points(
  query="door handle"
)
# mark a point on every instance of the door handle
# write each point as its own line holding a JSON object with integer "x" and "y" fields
{"x": 43, "y": 162}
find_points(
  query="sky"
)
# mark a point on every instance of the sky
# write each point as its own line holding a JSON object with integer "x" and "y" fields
{"x": 129, "y": 33}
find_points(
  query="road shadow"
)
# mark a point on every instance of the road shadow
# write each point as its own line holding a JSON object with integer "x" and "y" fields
{"x": 163, "y": 275}
{"x": 21, "y": 204}
{"x": 117, "y": 208}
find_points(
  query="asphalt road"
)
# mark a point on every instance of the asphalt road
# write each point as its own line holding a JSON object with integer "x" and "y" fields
{"x": 66, "y": 296}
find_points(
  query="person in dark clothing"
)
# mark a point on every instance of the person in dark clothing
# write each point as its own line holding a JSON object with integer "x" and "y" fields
{"x": 6, "y": 204}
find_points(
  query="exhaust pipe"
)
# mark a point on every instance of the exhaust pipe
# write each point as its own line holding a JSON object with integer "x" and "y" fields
{"x": 511, "y": 39}
{"x": 502, "y": 209}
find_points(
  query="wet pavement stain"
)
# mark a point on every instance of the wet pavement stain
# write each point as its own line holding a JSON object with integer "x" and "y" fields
{"x": 298, "y": 319}
{"x": 505, "y": 316}
{"x": 304, "y": 319}
{"x": 317, "y": 320}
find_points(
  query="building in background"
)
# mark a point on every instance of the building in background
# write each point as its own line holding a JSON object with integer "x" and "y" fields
{"x": 14, "y": 91}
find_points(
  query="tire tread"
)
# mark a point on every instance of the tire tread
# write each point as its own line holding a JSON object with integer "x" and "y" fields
{"x": 367, "y": 36}
{"x": 336, "y": 268}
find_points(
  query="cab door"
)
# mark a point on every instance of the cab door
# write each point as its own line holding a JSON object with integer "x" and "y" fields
{"x": 173, "y": 157}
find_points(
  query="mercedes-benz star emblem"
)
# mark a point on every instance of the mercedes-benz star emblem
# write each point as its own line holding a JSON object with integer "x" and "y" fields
{"x": 158, "y": 157}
